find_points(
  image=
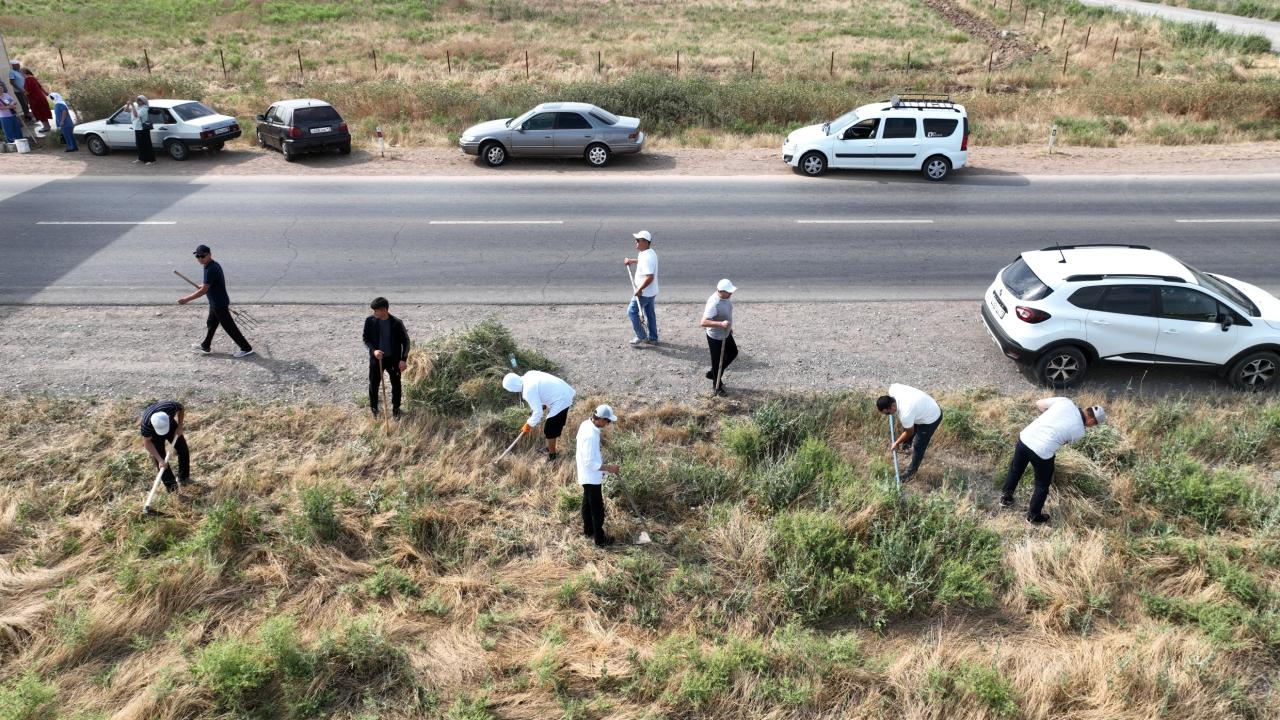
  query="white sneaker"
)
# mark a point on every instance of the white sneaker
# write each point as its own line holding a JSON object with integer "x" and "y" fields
{"x": 242, "y": 353}
{"x": 196, "y": 348}
{"x": 637, "y": 342}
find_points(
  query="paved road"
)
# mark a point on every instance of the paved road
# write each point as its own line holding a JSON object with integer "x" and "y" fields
{"x": 1224, "y": 22}
{"x": 850, "y": 236}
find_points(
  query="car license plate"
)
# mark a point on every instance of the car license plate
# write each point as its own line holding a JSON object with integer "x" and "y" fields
{"x": 995, "y": 307}
{"x": 220, "y": 131}
{"x": 317, "y": 131}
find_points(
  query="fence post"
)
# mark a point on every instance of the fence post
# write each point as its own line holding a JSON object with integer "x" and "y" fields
{"x": 1043, "y": 17}
{"x": 677, "y": 63}
{"x": 1088, "y": 31}
{"x": 753, "y": 62}
{"x": 1139, "y": 61}
{"x": 222, "y": 59}
{"x": 599, "y": 61}
{"x": 1114, "y": 45}
{"x": 1065, "y": 55}
{"x": 908, "y": 60}
{"x": 1010, "y": 10}
{"x": 526, "y": 64}
{"x": 374, "y": 53}
{"x": 61, "y": 60}
{"x": 301, "y": 74}
{"x": 1063, "y": 30}
{"x": 147, "y": 57}
{"x": 990, "y": 59}
{"x": 1025, "y": 10}
{"x": 832, "y": 70}
{"x": 448, "y": 61}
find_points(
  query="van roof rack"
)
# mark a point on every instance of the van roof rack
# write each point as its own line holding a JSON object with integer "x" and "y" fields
{"x": 1138, "y": 276}
{"x": 922, "y": 101}
{"x": 1055, "y": 248}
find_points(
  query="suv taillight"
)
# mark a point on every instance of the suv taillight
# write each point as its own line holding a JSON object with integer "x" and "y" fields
{"x": 295, "y": 132}
{"x": 342, "y": 127}
{"x": 1031, "y": 315}
{"x": 964, "y": 144}
{"x": 633, "y": 135}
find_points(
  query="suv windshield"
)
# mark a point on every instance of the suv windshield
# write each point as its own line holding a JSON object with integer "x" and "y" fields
{"x": 1024, "y": 283}
{"x": 839, "y": 123}
{"x": 192, "y": 110}
{"x": 1226, "y": 288}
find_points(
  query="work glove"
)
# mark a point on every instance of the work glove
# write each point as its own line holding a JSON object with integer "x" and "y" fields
{"x": 525, "y": 429}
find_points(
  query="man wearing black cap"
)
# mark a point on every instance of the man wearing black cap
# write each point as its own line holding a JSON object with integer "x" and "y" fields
{"x": 388, "y": 342}
{"x": 215, "y": 286}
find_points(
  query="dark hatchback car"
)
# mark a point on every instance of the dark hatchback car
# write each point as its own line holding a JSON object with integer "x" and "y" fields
{"x": 298, "y": 127}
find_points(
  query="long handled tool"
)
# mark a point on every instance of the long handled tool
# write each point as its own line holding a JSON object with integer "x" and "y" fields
{"x": 639, "y": 310}
{"x": 644, "y": 538}
{"x": 892, "y": 437}
{"x": 720, "y": 367}
{"x": 242, "y": 316}
{"x": 155, "y": 484}
{"x": 386, "y": 407}
{"x": 509, "y": 447}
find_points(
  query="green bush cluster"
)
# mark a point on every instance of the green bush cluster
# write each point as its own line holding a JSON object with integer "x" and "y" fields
{"x": 94, "y": 97}
{"x": 28, "y": 697}
{"x": 632, "y": 590}
{"x": 1181, "y": 485}
{"x": 1207, "y": 35}
{"x": 466, "y": 369}
{"x": 775, "y": 428}
{"x": 969, "y": 681}
{"x": 318, "y": 520}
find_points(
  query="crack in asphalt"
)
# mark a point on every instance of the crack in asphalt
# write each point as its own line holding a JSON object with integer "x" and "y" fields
{"x": 395, "y": 242}
{"x": 595, "y": 237}
{"x": 287, "y": 266}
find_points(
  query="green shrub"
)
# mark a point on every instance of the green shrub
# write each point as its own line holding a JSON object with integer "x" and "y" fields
{"x": 358, "y": 660}
{"x": 970, "y": 681}
{"x": 695, "y": 483}
{"x": 236, "y": 672}
{"x": 95, "y": 97}
{"x": 466, "y": 368}
{"x": 389, "y": 579}
{"x": 775, "y": 485}
{"x": 1179, "y": 484}
{"x": 28, "y": 697}
{"x": 318, "y": 520}
{"x": 744, "y": 440}
{"x": 964, "y": 424}
{"x": 466, "y": 707}
{"x": 1207, "y": 35}
{"x": 633, "y": 589}
{"x": 226, "y": 529}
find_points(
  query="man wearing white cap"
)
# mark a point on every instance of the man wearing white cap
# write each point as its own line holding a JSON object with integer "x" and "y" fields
{"x": 1061, "y": 422}
{"x": 548, "y": 396}
{"x": 591, "y": 470}
{"x": 717, "y": 319}
{"x": 645, "y": 290}
{"x": 163, "y": 422}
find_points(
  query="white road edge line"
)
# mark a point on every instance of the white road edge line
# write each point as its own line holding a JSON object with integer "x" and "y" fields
{"x": 497, "y": 222}
{"x": 1229, "y": 220}
{"x": 865, "y": 222}
{"x": 107, "y": 222}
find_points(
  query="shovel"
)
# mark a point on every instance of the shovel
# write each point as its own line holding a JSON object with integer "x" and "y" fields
{"x": 893, "y": 436}
{"x": 155, "y": 484}
{"x": 639, "y": 310}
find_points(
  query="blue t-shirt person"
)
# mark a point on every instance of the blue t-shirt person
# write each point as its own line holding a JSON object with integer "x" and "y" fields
{"x": 217, "y": 285}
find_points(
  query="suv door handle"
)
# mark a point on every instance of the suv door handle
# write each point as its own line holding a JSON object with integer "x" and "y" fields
{"x": 1170, "y": 332}
{"x": 1099, "y": 322}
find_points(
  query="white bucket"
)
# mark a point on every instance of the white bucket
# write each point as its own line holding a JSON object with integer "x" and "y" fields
{"x": 23, "y": 145}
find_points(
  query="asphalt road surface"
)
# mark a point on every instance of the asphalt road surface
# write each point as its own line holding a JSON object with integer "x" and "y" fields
{"x": 1224, "y": 22}
{"x": 548, "y": 239}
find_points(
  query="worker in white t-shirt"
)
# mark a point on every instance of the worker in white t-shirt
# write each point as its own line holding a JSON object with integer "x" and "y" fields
{"x": 646, "y": 290}
{"x": 548, "y": 396}
{"x": 918, "y": 418}
{"x": 591, "y": 470}
{"x": 1060, "y": 423}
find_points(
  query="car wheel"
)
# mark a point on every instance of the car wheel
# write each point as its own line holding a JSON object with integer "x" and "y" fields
{"x": 936, "y": 168}
{"x": 1255, "y": 371}
{"x": 813, "y": 164}
{"x": 493, "y": 153}
{"x": 177, "y": 150}
{"x": 1061, "y": 367}
{"x": 597, "y": 155}
{"x": 289, "y": 155}
{"x": 262, "y": 142}
{"x": 344, "y": 149}
{"x": 97, "y": 145}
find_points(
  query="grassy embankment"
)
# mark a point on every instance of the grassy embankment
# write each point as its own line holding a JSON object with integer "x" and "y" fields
{"x": 1198, "y": 86}
{"x": 330, "y": 567}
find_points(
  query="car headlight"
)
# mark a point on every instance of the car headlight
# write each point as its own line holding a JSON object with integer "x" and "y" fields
{"x": 468, "y": 138}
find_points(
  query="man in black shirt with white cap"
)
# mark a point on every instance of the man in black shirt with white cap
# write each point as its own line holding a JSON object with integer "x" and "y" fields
{"x": 163, "y": 422}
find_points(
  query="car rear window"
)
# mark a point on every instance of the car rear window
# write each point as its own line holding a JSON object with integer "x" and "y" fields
{"x": 939, "y": 128}
{"x": 1087, "y": 297}
{"x": 192, "y": 110}
{"x": 316, "y": 114}
{"x": 1023, "y": 283}
{"x": 604, "y": 116}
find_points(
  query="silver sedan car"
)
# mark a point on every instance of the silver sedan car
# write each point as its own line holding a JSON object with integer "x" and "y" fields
{"x": 562, "y": 129}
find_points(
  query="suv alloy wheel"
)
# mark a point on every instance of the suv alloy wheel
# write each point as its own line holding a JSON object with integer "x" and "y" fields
{"x": 1061, "y": 367}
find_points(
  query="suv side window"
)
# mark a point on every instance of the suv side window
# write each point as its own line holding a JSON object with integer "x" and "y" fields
{"x": 1187, "y": 304}
{"x": 571, "y": 121}
{"x": 940, "y": 127}
{"x": 1127, "y": 300}
{"x": 1087, "y": 297}
{"x": 863, "y": 130}
{"x": 541, "y": 121}
{"x": 899, "y": 128}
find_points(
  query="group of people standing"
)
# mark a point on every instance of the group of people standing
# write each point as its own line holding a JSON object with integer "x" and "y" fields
{"x": 25, "y": 99}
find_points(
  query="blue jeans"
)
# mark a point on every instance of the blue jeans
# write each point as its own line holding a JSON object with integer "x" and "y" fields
{"x": 12, "y": 128}
{"x": 650, "y": 316}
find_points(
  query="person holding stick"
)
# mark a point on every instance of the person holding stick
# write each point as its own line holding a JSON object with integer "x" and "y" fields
{"x": 591, "y": 470}
{"x": 645, "y": 290}
{"x": 918, "y": 418}
{"x": 717, "y": 320}
{"x": 162, "y": 422}
{"x": 215, "y": 287}
{"x": 388, "y": 342}
{"x": 548, "y": 396}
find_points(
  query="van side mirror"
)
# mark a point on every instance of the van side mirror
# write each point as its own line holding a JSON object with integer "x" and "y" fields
{"x": 1226, "y": 321}
{"x": 260, "y": 118}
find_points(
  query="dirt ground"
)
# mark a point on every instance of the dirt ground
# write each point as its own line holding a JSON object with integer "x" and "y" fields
{"x": 313, "y": 353}
{"x": 1233, "y": 159}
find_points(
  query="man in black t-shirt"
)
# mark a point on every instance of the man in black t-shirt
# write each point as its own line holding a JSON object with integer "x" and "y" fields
{"x": 163, "y": 422}
{"x": 388, "y": 343}
{"x": 215, "y": 287}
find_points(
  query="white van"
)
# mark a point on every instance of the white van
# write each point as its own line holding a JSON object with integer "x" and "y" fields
{"x": 928, "y": 133}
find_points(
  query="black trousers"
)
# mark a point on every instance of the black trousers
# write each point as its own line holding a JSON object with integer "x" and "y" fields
{"x": 1044, "y": 476}
{"x": 593, "y": 512}
{"x": 730, "y": 353}
{"x": 142, "y": 138}
{"x": 919, "y": 442}
{"x": 222, "y": 316}
{"x": 375, "y": 383}
{"x": 184, "y": 461}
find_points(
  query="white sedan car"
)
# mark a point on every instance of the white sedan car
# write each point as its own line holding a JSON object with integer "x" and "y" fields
{"x": 177, "y": 127}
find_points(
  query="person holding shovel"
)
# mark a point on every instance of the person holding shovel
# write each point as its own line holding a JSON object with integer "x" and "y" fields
{"x": 548, "y": 396}
{"x": 215, "y": 287}
{"x": 1060, "y": 423}
{"x": 645, "y": 286}
{"x": 163, "y": 422}
{"x": 388, "y": 343}
{"x": 717, "y": 320}
{"x": 918, "y": 418}
{"x": 591, "y": 470}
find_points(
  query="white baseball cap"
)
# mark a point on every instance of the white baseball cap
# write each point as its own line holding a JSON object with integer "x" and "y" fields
{"x": 512, "y": 382}
{"x": 604, "y": 412}
{"x": 160, "y": 421}
{"x": 1099, "y": 414}
{"x": 644, "y": 235}
{"x": 726, "y": 286}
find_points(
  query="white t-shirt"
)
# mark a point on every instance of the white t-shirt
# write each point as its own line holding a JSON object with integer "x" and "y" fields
{"x": 647, "y": 264}
{"x": 588, "y": 454}
{"x": 1059, "y": 425}
{"x": 914, "y": 406}
{"x": 718, "y": 309}
{"x": 545, "y": 389}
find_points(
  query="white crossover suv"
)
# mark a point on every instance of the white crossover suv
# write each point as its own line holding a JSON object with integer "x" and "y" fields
{"x": 926, "y": 133}
{"x": 1063, "y": 308}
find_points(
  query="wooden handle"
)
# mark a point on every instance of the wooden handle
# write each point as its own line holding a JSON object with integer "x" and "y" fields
{"x": 184, "y": 277}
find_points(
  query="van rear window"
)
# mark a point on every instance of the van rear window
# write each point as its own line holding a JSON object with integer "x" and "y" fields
{"x": 1023, "y": 283}
{"x": 939, "y": 128}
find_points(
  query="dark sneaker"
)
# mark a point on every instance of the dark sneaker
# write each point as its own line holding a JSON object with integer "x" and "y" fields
{"x": 1040, "y": 519}
{"x": 186, "y": 482}
{"x": 552, "y": 457}
{"x": 200, "y": 349}
{"x": 396, "y": 413}
{"x": 1006, "y": 501}
{"x": 720, "y": 391}
{"x": 588, "y": 533}
{"x": 606, "y": 542}
{"x": 906, "y": 476}
{"x": 543, "y": 451}
{"x": 710, "y": 375}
